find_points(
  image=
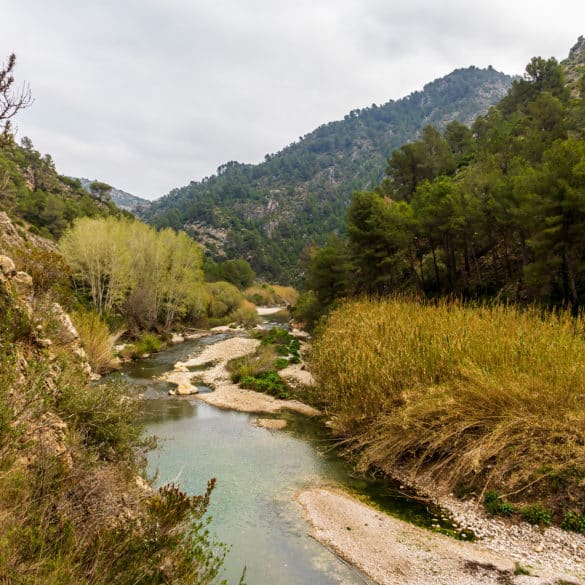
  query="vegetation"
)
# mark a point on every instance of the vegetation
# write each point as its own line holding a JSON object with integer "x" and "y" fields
{"x": 259, "y": 371}
{"x": 497, "y": 210}
{"x": 268, "y": 295}
{"x": 96, "y": 339}
{"x": 33, "y": 191}
{"x": 267, "y": 213}
{"x": 144, "y": 279}
{"x": 237, "y": 272}
{"x": 72, "y": 506}
{"x": 485, "y": 396}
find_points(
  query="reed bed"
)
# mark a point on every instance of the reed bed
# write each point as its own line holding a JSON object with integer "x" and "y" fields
{"x": 486, "y": 396}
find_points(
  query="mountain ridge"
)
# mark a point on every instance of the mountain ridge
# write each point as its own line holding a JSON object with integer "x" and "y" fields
{"x": 268, "y": 212}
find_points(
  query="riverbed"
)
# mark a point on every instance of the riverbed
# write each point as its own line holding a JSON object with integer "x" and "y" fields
{"x": 259, "y": 472}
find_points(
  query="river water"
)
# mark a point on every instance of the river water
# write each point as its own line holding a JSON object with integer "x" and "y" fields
{"x": 258, "y": 472}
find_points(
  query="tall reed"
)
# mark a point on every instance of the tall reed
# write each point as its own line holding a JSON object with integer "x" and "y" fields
{"x": 488, "y": 395}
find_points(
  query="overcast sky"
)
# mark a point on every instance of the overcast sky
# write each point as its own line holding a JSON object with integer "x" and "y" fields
{"x": 148, "y": 95}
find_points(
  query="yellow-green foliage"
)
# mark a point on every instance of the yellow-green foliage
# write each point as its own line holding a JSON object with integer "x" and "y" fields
{"x": 246, "y": 314}
{"x": 485, "y": 395}
{"x": 224, "y": 298}
{"x": 271, "y": 295}
{"x": 127, "y": 267}
{"x": 96, "y": 339}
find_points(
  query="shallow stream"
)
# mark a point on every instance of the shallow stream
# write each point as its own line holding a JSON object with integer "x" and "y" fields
{"x": 258, "y": 472}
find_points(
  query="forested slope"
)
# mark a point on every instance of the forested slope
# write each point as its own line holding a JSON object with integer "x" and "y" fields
{"x": 267, "y": 213}
{"x": 495, "y": 210}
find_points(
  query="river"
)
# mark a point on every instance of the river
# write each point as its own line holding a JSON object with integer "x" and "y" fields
{"x": 258, "y": 472}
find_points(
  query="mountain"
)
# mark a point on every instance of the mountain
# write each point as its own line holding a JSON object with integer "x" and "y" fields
{"x": 267, "y": 213}
{"x": 36, "y": 196}
{"x": 122, "y": 199}
{"x": 573, "y": 64}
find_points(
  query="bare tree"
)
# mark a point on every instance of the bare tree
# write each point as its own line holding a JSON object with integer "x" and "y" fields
{"x": 12, "y": 99}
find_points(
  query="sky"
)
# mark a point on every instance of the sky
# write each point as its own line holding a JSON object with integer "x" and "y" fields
{"x": 148, "y": 95}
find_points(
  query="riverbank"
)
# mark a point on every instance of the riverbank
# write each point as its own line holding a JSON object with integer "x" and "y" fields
{"x": 392, "y": 552}
{"x": 226, "y": 394}
{"x": 503, "y": 545}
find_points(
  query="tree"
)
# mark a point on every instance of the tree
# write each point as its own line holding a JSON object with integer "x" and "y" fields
{"x": 12, "y": 99}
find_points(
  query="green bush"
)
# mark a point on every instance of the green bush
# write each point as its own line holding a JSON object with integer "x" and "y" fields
{"x": 494, "y": 504}
{"x": 574, "y": 522}
{"x": 146, "y": 343}
{"x": 536, "y": 514}
{"x": 268, "y": 382}
{"x": 281, "y": 363}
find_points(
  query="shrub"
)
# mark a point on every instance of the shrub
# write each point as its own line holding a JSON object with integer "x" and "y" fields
{"x": 146, "y": 343}
{"x": 96, "y": 339}
{"x": 536, "y": 514}
{"x": 268, "y": 382}
{"x": 251, "y": 364}
{"x": 573, "y": 521}
{"x": 246, "y": 314}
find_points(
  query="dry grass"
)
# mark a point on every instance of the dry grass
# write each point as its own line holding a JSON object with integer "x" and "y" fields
{"x": 97, "y": 340}
{"x": 490, "y": 396}
{"x": 271, "y": 295}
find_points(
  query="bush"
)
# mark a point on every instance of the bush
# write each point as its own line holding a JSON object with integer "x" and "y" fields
{"x": 573, "y": 521}
{"x": 536, "y": 514}
{"x": 268, "y": 382}
{"x": 96, "y": 339}
{"x": 496, "y": 506}
{"x": 252, "y": 364}
{"x": 147, "y": 343}
{"x": 224, "y": 298}
{"x": 246, "y": 314}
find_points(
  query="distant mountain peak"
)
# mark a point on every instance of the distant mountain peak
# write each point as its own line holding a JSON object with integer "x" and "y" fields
{"x": 122, "y": 199}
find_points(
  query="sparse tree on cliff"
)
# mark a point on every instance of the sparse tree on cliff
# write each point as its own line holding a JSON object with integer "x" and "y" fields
{"x": 12, "y": 99}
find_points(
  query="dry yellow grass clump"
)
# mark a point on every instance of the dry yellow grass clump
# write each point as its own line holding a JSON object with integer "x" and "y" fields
{"x": 488, "y": 396}
{"x": 96, "y": 339}
{"x": 271, "y": 294}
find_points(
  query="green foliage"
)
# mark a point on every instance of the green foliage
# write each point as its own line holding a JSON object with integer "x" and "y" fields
{"x": 268, "y": 382}
{"x": 536, "y": 514}
{"x": 146, "y": 343}
{"x": 499, "y": 210}
{"x": 574, "y": 522}
{"x": 31, "y": 190}
{"x": 237, "y": 272}
{"x": 495, "y": 505}
{"x": 302, "y": 192}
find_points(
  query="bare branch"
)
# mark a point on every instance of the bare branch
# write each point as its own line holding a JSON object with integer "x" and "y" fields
{"x": 12, "y": 99}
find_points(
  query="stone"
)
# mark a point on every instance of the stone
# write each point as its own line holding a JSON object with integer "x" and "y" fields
{"x": 23, "y": 283}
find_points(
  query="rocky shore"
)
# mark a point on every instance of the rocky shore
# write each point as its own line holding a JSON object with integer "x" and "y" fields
{"x": 226, "y": 394}
{"x": 393, "y": 552}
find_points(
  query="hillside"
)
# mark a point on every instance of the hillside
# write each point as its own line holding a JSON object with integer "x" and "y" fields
{"x": 495, "y": 211}
{"x": 122, "y": 199}
{"x": 267, "y": 213}
{"x": 33, "y": 192}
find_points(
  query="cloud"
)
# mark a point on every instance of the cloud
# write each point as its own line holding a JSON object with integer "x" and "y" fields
{"x": 151, "y": 94}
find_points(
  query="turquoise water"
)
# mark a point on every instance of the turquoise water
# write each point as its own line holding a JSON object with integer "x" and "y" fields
{"x": 258, "y": 473}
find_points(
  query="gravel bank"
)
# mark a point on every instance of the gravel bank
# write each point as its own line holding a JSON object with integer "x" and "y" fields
{"x": 392, "y": 552}
{"x": 227, "y": 394}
